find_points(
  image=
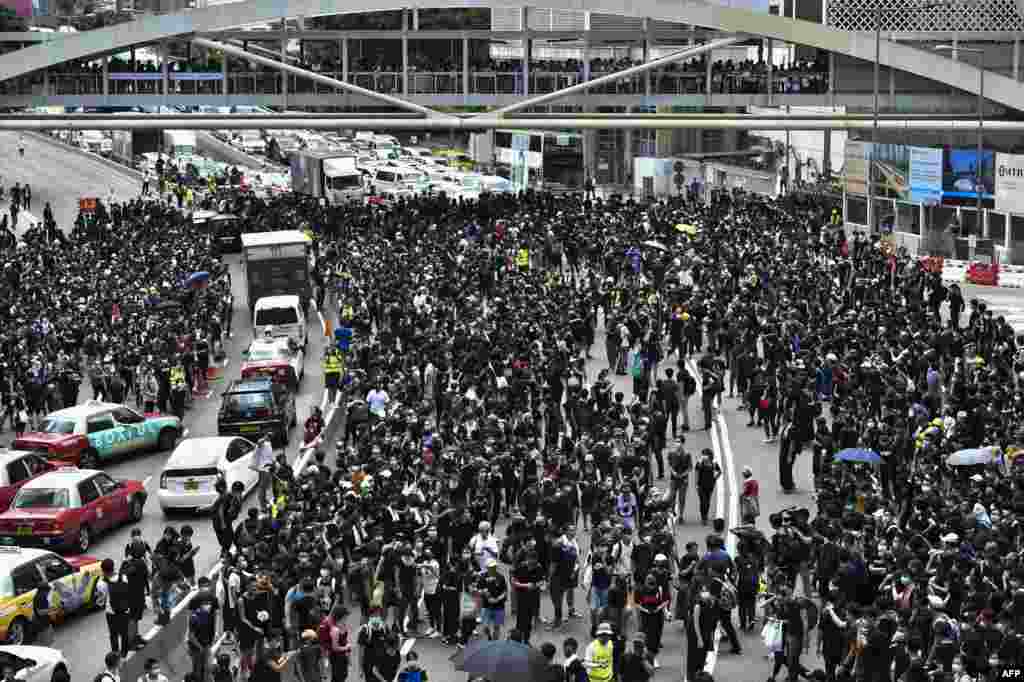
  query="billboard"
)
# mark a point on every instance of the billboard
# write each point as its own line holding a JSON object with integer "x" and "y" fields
{"x": 960, "y": 176}
{"x": 520, "y": 175}
{"x": 856, "y": 171}
{"x": 925, "y": 175}
{"x": 1009, "y": 183}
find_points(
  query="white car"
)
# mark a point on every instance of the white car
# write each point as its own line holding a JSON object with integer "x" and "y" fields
{"x": 35, "y": 663}
{"x": 188, "y": 478}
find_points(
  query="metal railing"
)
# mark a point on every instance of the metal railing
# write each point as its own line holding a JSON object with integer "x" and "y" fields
{"x": 442, "y": 83}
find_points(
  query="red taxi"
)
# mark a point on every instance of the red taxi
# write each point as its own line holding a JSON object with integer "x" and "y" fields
{"x": 68, "y": 508}
{"x": 279, "y": 359}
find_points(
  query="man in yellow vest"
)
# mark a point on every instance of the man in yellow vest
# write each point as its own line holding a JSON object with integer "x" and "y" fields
{"x": 179, "y": 386}
{"x": 332, "y": 372}
{"x": 599, "y": 657}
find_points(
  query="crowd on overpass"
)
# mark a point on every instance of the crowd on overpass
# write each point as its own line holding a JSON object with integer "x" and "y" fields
{"x": 727, "y": 76}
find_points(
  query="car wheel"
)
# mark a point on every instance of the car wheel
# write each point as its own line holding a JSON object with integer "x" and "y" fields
{"x": 17, "y": 631}
{"x": 135, "y": 510}
{"x": 60, "y": 674}
{"x": 167, "y": 438}
{"x": 90, "y": 459}
{"x": 84, "y": 541}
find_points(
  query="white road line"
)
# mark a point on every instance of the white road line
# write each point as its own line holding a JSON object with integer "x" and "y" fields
{"x": 722, "y": 448}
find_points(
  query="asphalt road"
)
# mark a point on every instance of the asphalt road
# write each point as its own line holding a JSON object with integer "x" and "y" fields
{"x": 60, "y": 177}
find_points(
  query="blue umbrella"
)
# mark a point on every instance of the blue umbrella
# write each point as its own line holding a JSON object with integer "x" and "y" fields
{"x": 858, "y": 455}
{"x": 971, "y": 456}
{"x": 197, "y": 279}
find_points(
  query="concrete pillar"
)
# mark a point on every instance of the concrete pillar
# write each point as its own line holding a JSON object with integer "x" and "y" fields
{"x": 1016, "y": 61}
{"x": 647, "y": 54}
{"x": 771, "y": 72}
{"x": 284, "y": 76}
{"x": 527, "y": 49}
{"x": 223, "y": 73}
{"x": 832, "y": 79}
{"x": 986, "y": 229}
{"x": 826, "y": 155}
{"x": 105, "y": 75}
{"x": 627, "y": 158}
{"x": 707, "y": 73}
{"x": 955, "y": 54}
{"x": 698, "y": 141}
{"x": 344, "y": 59}
{"x": 586, "y": 59}
{"x": 405, "y": 52}
{"x": 465, "y": 67}
{"x": 892, "y": 88}
{"x": 415, "y": 19}
{"x": 46, "y": 82}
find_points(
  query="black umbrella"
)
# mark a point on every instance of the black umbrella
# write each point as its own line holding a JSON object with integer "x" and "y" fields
{"x": 500, "y": 660}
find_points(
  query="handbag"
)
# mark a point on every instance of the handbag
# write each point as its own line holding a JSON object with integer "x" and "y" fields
{"x": 771, "y": 635}
{"x": 763, "y": 403}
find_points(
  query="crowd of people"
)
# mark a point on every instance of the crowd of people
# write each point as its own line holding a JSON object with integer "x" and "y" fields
{"x": 104, "y": 302}
{"x": 485, "y": 466}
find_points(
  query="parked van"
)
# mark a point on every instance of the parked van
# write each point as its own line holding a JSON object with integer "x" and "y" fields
{"x": 397, "y": 179}
{"x": 283, "y": 315}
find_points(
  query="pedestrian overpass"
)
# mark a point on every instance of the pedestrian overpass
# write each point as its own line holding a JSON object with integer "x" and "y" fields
{"x": 211, "y": 20}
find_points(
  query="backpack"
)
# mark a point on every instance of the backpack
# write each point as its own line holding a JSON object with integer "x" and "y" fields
{"x": 118, "y": 596}
{"x": 727, "y": 599}
{"x": 323, "y": 634}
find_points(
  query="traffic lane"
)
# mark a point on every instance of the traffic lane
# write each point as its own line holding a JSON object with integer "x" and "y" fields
{"x": 763, "y": 460}
{"x": 83, "y": 637}
{"x": 59, "y": 176}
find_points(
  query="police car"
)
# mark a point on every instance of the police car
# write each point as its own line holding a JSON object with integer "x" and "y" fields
{"x": 69, "y": 507}
{"x": 73, "y": 587}
{"x": 86, "y": 434}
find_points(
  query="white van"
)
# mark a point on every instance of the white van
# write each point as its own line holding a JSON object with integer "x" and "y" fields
{"x": 396, "y": 179}
{"x": 285, "y": 317}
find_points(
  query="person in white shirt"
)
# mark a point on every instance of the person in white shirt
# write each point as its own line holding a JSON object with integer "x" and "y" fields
{"x": 263, "y": 461}
{"x": 430, "y": 577}
{"x": 111, "y": 668}
{"x": 377, "y": 402}
{"x": 484, "y": 546}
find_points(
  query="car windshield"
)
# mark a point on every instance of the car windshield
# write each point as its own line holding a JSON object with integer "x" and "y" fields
{"x": 266, "y": 353}
{"x": 276, "y": 316}
{"x": 57, "y": 425}
{"x": 33, "y": 498}
{"x": 6, "y": 586}
{"x": 248, "y": 405}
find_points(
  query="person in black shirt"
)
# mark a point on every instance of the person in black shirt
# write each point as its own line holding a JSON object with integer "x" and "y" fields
{"x": 634, "y": 666}
{"x": 386, "y": 663}
{"x": 528, "y": 582}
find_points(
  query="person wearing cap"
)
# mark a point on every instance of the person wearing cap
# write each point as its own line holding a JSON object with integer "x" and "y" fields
{"x": 599, "y": 658}
{"x": 494, "y": 593}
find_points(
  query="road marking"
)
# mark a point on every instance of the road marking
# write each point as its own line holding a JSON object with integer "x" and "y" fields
{"x": 721, "y": 444}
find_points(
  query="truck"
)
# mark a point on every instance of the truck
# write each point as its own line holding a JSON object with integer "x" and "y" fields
{"x": 96, "y": 142}
{"x": 277, "y": 264}
{"x": 331, "y": 176}
{"x": 129, "y": 145}
{"x": 180, "y": 143}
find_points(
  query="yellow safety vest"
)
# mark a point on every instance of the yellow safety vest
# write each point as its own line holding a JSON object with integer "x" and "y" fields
{"x": 331, "y": 365}
{"x": 177, "y": 377}
{"x": 347, "y": 312}
{"x": 523, "y": 258}
{"x": 603, "y": 657}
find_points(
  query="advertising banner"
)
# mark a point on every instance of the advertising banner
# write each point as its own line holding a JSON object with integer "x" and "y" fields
{"x": 960, "y": 176}
{"x": 891, "y": 170}
{"x": 1009, "y": 183}
{"x": 856, "y": 172}
{"x": 925, "y": 175}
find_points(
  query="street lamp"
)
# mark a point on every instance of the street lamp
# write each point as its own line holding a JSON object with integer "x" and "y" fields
{"x": 979, "y": 179}
{"x": 879, "y": 12}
